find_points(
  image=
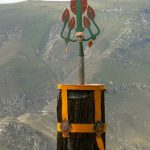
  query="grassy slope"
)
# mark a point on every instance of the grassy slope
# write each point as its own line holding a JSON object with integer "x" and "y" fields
{"x": 130, "y": 106}
{"x": 126, "y": 108}
{"x": 31, "y": 75}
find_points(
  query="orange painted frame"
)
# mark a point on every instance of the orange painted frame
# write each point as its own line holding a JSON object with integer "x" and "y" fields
{"x": 93, "y": 87}
{"x": 97, "y": 88}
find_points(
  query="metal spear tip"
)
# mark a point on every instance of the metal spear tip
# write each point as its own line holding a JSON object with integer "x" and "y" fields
{"x": 71, "y": 24}
{"x": 73, "y": 6}
{"x": 86, "y": 22}
{"x": 90, "y": 13}
{"x": 65, "y": 15}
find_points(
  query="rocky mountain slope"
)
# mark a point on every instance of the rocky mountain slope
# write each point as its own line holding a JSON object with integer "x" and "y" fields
{"x": 33, "y": 60}
{"x": 19, "y": 136}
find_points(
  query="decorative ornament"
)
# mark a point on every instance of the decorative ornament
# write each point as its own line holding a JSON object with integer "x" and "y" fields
{"x": 86, "y": 22}
{"x": 71, "y": 24}
{"x": 66, "y": 128}
{"x": 80, "y": 36}
{"x": 99, "y": 128}
{"x": 90, "y": 13}
{"x": 65, "y": 15}
{"x": 90, "y": 43}
{"x": 73, "y": 6}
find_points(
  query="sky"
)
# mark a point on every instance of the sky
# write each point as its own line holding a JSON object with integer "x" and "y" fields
{"x": 15, "y": 1}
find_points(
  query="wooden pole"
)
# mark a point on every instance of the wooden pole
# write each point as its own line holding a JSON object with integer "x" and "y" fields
{"x": 81, "y": 64}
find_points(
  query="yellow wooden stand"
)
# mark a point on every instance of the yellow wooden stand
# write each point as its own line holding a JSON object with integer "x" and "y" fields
{"x": 99, "y": 127}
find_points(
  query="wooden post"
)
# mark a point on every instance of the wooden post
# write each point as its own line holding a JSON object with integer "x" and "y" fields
{"x": 81, "y": 117}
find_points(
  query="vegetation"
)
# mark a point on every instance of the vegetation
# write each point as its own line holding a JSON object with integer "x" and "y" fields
{"x": 33, "y": 61}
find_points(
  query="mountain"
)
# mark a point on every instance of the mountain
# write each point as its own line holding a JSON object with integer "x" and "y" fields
{"x": 33, "y": 61}
{"x": 19, "y": 136}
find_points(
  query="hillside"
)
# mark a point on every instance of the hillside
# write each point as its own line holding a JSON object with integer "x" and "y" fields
{"x": 33, "y": 61}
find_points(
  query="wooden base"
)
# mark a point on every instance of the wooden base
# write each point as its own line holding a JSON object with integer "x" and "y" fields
{"x": 81, "y": 110}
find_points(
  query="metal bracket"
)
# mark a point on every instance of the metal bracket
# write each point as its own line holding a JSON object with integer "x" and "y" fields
{"x": 99, "y": 128}
{"x": 66, "y": 128}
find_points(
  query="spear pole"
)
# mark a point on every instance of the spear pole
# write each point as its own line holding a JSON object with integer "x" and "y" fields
{"x": 81, "y": 69}
{"x": 80, "y": 29}
{"x": 78, "y": 8}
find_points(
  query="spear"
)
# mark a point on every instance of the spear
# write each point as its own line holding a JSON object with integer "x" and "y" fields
{"x": 84, "y": 17}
